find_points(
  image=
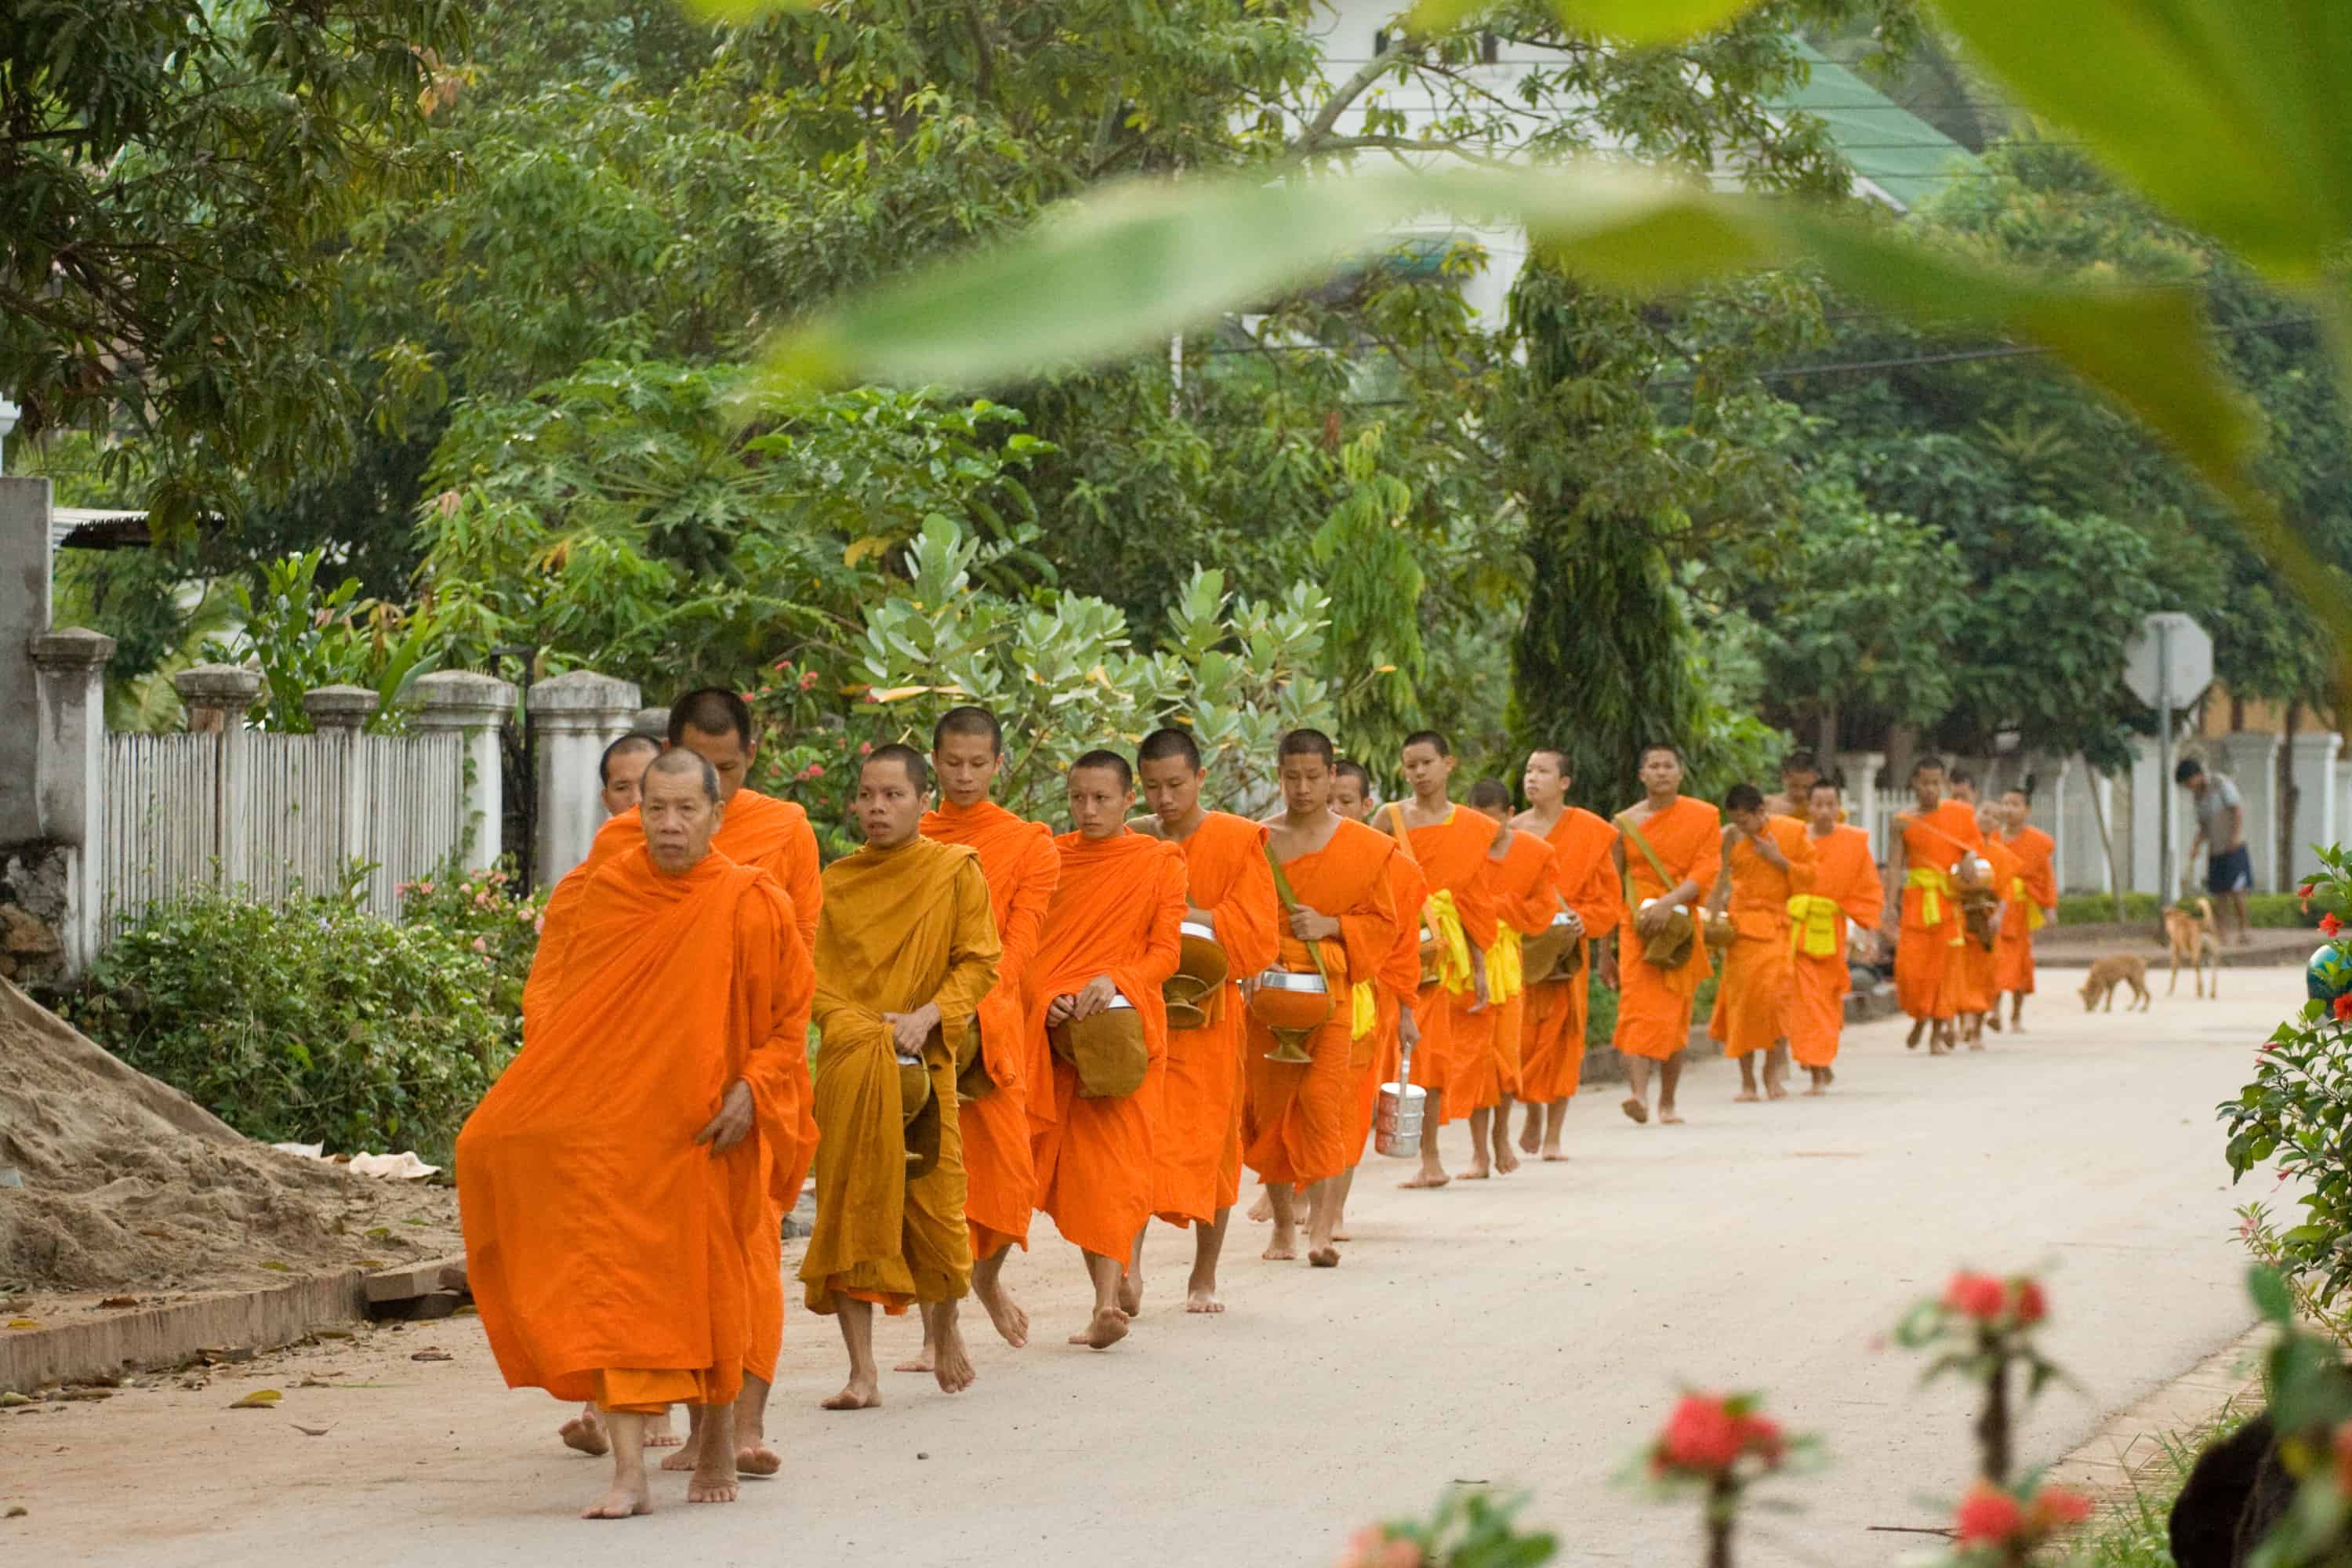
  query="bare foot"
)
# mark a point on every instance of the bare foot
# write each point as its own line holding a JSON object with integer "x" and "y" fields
{"x": 1829, "y": 1076}
{"x": 2016, "y": 1026}
{"x": 585, "y": 1433}
{"x": 1504, "y": 1161}
{"x": 1774, "y": 1091}
{"x": 713, "y": 1482}
{"x": 1477, "y": 1171}
{"x": 757, "y": 1459}
{"x": 621, "y": 1503}
{"x": 1992, "y": 1022}
{"x": 660, "y": 1432}
{"x": 1263, "y": 1210}
{"x": 1818, "y": 1089}
{"x": 1744, "y": 1097}
{"x": 855, "y": 1395}
{"x": 1975, "y": 1042}
{"x": 1279, "y": 1251}
{"x": 1340, "y": 1233}
{"x": 1635, "y": 1109}
{"x": 1427, "y": 1178}
{"x": 1530, "y": 1137}
{"x": 685, "y": 1459}
{"x": 1552, "y": 1155}
{"x": 920, "y": 1362}
{"x": 1107, "y": 1328}
{"x": 1202, "y": 1298}
{"x": 1012, "y": 1324}
{"x": 1324, "y": 1257}
{"x": 955, "y": 1371}
{"x": 1667, "y": 1116}
{"x": 1918, "y": 1028}
{"x": 1130, "y": 1293}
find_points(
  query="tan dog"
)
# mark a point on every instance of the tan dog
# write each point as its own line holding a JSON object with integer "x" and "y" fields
{"x": 2117, "y": 969}
{"x": 2189, "y": 929}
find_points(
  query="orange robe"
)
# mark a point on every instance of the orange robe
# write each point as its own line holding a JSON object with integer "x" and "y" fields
{"x": 1395, "y": 987}
{"x": 1654, "y": 1004}
{"x": 2033, "y": 889}
{"x": 902, "y": 928}
{"x": 1022, "y": 864}
{"x": 1978, "y": 993}
{"x": 1551, "y": 1059}
{"x": 1453, "y": 860}
{"x": 1846, "y": 887}
{"x": 774, "y": 835}
{"x": 611, "y": 1257}
{"x": 1927, "y": 979}
{"x": 1751, "y": 1001}
{"x": 1116, "y": 910}
{"x": 1297, "y": 1118}
{"x": 1522, "y": 885}
{"x": 1198, "y": 1143}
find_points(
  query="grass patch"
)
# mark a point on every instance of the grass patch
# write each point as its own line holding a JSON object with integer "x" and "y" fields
{"x": 2134, "y": 1533}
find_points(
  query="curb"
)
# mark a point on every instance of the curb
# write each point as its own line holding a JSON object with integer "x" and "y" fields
{"x": 2129, "y": 1443}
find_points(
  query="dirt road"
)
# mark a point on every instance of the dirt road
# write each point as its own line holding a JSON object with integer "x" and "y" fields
{"x": 1528, "y": 1332}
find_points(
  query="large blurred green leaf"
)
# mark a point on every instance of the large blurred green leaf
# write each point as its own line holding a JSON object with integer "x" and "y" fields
{"x": 2234, "y": 114}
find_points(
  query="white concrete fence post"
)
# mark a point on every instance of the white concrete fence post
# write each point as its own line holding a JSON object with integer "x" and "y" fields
{"x": 2251, "y": 758}
{"x": 474, "y": 705}
{"x": 654, "y": 722}
{"x": 342, "y": 712}
{"x": 573, "y": 717}
{"x": 2315, "y": 821}
{"x": 217, "y": 697}
{"x": 70, "y": 777}
{"x": 1861, "y": 770}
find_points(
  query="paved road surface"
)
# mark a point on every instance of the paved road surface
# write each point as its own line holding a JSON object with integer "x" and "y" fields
{"x": 1528, "y": 1332}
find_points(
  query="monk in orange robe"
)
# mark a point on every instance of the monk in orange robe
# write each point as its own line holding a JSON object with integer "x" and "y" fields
{"x": 1396, "y": 990}
{"x": 1927, "y": 976}
{"x": 905, "y": 951}
{"x": 612, "y": 1185}
{"x": 1668, "y": 852}
{"x": 1841, "y": 910}
{"x": 1766, "y": 861}
{"x": 1021, "y": 864}
{"x": 715, "y": 724}
{"x": 1449, "y": 844}
{"x": 1230, "y": 904}
{"x": 1339, "y": 924}
{"x": 1520, "y": 877}
{"x": 1994, "y": 868}
{"x": 2030, "y": 901}
{"x": 1113, "y": 935}
{"x": 1552, "y": 1054}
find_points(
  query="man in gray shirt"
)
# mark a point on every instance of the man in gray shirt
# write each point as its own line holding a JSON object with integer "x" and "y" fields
{"x": 2221, "y": 832}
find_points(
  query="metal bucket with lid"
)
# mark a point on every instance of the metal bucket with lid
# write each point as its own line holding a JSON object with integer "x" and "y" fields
{"x": 1396, "y": 1123}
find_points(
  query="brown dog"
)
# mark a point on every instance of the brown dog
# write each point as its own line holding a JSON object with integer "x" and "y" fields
{"x": 2117, "y": 969}
{"x": 2189, "y": 929}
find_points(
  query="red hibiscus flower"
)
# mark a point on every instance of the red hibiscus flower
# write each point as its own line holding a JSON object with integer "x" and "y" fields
{"x": 1977, "y": 1296}
{"x": 1987, "y": 1517}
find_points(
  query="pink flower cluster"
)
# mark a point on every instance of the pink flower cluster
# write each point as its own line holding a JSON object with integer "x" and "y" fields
{"x": 1708, "y": 1434}
{"x": 1991, "y": 1517}
{"x": 1990, "y": 1300}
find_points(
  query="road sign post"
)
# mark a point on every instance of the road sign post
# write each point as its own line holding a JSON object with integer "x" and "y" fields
{"x": 2167, "y": 666}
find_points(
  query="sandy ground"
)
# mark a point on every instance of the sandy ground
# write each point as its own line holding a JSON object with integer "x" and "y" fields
{"x": 1528, "y": 1332}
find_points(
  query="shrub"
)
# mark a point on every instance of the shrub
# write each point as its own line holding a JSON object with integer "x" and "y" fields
{"x": 315, "y": 1022}
{"x": 2278, "y": 911}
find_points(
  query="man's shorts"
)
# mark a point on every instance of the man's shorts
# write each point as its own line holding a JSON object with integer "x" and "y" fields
{"x": 2230, "y": 871}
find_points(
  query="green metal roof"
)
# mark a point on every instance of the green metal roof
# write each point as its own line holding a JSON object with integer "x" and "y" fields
{"x": 1887, "y": 144}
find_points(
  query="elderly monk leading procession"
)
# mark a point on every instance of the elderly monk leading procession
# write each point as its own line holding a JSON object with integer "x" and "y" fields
{"x": 1107, "y": 1026}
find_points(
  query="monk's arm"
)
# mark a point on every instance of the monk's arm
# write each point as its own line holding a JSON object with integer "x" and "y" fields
{"x": 973, "y": 954}
{"x": 784, "y": 987}
{"x": 1722, "y": 895}
{"x": 1249, "y": 917}
{"x": 803, "y": 880}
{"x": 1024, "y": 916}
{"x": 1804, "y": 861}
{"x": 1369, "y": 930}
{"x": 1164, "y": 949}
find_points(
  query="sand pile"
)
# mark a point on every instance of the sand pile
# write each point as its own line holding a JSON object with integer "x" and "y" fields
{"x": 130, "y": 1184}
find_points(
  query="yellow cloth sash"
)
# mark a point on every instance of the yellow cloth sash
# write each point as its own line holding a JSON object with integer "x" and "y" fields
{"x": 1364, "y": 1009}
{"x": 2018, "y": 895}
{"x": 1506, "y": 972}
{"x": 1813, "y": 925}
{"x": 1444, "y": 922}
{"x": 1934, "y": 887}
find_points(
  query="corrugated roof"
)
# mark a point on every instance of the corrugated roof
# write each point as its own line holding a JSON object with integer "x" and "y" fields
{"x": 1903, "y": 160}
{"x": 96, "y": 527}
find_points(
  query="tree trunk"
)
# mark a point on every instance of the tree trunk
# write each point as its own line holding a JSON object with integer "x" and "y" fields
{"x": 2290, "y": 797}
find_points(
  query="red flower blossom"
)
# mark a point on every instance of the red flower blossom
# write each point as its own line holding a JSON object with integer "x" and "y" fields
{"x": 1761, "y": 1436}
{"x": 2344, "y": 1006}
{"x": 2329, "y": 925}
{"x": 2344, "y": 1457}
{"x": 2303, "y": 891}
{"x": 1977, "y": 1296}
{"x": 2058, "y": 1507}
{"x": 1987, "y": 1516}
{"x": 808, "y": 678}
{"x": 814, "y": 771}
{"x": 1701, "y": 1435}
{"x": 2030, "y": 1305}
{"x": 865, "y": 748}
{"x": 1371, "y": 1548}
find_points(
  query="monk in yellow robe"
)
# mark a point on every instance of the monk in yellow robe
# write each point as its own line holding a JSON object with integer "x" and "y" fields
{"x": 1766, "y": 861}
{"x": 1841, "y": 911}
{"x": 1339, "y": 923}
{"x": 613, "y": 1182}
{"x": 1230, "y": 903}
{"x": 1520, "y": 877}
{"x": 1668, "y": 853}
{"x": 1994, "y": 867}
{"x": 1927, "y": 977}
{"x": 1551, "y": 1051}
{"x": 1449, "y": 842}
{"x": 905, "y": 951}
{"x": 1021, "y": 864}
{"x": 1113, "y": 935}
{"x": 774, "y": 834}
{"x": 2030, "y": 901}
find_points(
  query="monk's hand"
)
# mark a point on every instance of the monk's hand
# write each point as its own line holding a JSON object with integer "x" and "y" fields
{"x": 1059, "y": 1009}
{"x": 1309, "y": 925}
{"x": 732, "y": 1123}
{"x": 1573, "y": 922}
{"x": 1768, "y": 850}
{"x": 1408, "y": 1029}
{"x": 1094, "y": 998}
{"x": 908, "y": 1031}
{"x": 1651, "y": 918}
{"x": 1609, "y": 969}
{"x": 1478, "y": 980}
{"x": 1200, "y": 918}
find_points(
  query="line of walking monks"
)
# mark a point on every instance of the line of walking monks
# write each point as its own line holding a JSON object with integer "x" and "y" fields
{"x": 1109, "y": 1025}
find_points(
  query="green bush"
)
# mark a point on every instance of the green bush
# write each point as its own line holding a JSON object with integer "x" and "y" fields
{"x": 316, "y": 1023}
{"x": 2274, "y": 911}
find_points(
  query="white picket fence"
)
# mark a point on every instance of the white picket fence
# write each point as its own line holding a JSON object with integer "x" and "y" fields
{"x": 277, "y": 813}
